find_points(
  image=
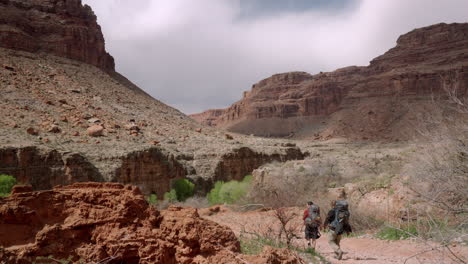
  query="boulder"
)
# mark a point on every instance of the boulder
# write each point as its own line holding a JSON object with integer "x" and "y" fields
{"x": 95, "y": 131}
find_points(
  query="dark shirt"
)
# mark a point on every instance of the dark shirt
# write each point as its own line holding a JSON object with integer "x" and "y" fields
{"x": 331, "y": 217}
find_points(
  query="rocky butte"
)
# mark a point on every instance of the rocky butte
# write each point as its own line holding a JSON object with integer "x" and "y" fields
{"x": 377, "y": 102}
{"x": 67, "y": 116}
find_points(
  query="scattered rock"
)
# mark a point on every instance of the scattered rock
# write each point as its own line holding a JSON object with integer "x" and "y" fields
{"x": 94, "y": 120}
{"x": 54, "y": 129}
{"x": 133, "y": 127}
{"x": 154, "y": 142}
{"x": 95, "y": 131}
{"x": 8, "y": 67}
{"x": 68, "y": 107}
{"x": 32, "y": 131}
{"x": 75, "y": 91}
{"x": 86, "y": 116}
{"x": 76, "y": 133}
{"x": 228, "y": 137}
{"x": 199, "y": 130}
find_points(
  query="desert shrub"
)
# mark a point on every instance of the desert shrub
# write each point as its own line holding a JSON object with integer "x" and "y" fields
{"x": 152, "y": 199}
{"x": 229, "y": 192}
{"x": 184, "y": 189}
{"x": 391, "y": 233}
{"x": 6, "y": 184}
{"x": 213, "y": 196}
{"x": 171, "y": 196}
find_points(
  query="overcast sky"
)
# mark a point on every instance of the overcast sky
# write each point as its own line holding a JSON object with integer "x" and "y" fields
{"x": 200, "y": 54}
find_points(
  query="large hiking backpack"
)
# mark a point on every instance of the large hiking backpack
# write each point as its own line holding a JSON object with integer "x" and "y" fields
{"x": 313, "y": 218}
{"x": 341, "y": 217}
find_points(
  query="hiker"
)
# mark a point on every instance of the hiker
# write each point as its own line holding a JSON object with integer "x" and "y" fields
{"x": 338, "y": 222}
{"x": 312, "y": 223}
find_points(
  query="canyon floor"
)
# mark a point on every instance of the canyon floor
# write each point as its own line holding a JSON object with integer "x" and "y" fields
{"x": 360, "y": 249}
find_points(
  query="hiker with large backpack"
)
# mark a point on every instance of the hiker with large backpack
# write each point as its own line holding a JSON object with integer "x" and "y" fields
{"x": 338, "y": 222}
{"x": 312, "y": 223}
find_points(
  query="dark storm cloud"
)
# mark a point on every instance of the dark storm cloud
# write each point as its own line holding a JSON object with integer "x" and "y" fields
{"x": 202, "y": 54}
{"x": 257, "y": 8}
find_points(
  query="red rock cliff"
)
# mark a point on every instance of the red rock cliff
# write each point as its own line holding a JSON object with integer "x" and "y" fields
{"x": 355, "y": 102}
{"x": 64, "y": 28}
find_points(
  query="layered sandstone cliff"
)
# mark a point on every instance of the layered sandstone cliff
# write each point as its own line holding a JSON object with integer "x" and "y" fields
{"x": 377, "y": 101}
{"x": 60, "y": 27}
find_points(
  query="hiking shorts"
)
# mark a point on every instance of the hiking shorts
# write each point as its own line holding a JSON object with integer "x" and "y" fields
{"x": 311, "y": 232}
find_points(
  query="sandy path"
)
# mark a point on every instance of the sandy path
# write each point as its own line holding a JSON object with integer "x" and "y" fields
{"x": 358, "y": 250}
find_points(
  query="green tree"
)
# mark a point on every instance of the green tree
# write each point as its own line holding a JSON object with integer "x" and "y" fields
{"x": 184, "y": 189}
{"x": 6, "y": 184}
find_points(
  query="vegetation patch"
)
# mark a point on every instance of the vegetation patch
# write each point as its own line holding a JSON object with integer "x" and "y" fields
{"x": 6, "y": 184}
{"x": 171, "y": 196}
{"x": 181, "y": 190}
{"x": 254, "y": 246}
{"x": 229, "y": 192}
{"x": 152, "y": 199}
{"x": 184, "y": 189}
{"x": 392, "y": 233}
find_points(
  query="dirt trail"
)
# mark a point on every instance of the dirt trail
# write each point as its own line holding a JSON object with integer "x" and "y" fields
{"x": 358, "y": 250}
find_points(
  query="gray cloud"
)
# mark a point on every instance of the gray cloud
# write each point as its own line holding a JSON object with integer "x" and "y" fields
{"x": 196, "y": 55}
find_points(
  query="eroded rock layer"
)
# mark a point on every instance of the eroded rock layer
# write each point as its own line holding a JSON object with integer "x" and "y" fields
{"x": 152, "y": 170}
{"x": 45, "y": 169}
{"x": 61, "y": 27}
{"x": 93, "y": 222}
{"x": 380, "y": 101}
{"x": 239, "y": 163}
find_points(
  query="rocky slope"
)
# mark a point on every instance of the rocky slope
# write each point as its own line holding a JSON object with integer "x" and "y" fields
{"x": 67, "y": 116}
{"x": 95, "y": 222}
{"x": 380, "y": 101}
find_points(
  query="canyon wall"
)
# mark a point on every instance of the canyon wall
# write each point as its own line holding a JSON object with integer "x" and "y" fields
{"x": 425, "y": 63}
{"x": 241, "y": 162}
{"x": 152, "y": 170}
{"x": 64, "y": 28}
{"x": 44, "y": 169}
